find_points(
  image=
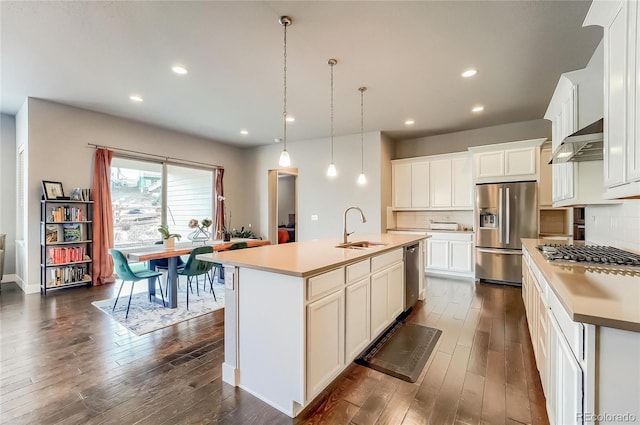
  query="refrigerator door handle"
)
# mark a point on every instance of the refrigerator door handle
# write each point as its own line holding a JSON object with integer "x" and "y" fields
{"x": 500, "y": 251}
{"x": 500, "y": 230}
{"x": 508, "y": 224}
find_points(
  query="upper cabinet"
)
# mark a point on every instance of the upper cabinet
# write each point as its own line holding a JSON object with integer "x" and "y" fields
{"x": 504, "y": 162}
{"x": 433, "y": 182}
{"x": 620, "y": 20}
{"x": 577, "y": 102}
{"x": 410, "y": 184}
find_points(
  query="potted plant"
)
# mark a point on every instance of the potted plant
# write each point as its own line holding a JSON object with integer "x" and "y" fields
{"x": 169, "y": 239}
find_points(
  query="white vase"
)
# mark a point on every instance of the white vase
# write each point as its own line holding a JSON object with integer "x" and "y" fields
{"x": 170, "y": 243}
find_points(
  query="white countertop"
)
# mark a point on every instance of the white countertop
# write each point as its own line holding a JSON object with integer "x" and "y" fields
{"x": 310, "y": 257}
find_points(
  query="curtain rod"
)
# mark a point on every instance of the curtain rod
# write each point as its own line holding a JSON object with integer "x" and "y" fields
{"x": 165, "y": 158}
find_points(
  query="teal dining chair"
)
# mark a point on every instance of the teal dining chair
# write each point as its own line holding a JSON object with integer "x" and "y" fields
{"x": 124, "y": 272}
{"x": 194, "y": 268}
{"x": 218, "y": 266}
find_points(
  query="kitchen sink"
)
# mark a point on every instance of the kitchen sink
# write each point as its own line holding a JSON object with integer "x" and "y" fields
{"x": 361, "y": 245}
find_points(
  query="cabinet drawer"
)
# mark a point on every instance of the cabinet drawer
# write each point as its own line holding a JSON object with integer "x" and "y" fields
{"x": 324, "y": 283}
{"x": 358, "y": 270}
{"x": 385, "y": 260}
{"x": 451, "y": 236}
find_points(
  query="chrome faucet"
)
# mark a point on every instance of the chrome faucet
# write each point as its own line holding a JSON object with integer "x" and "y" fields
{"x": 346, "y": 234}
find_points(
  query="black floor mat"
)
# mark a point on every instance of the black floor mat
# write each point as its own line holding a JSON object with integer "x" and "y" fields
{"x": 402, "y": 351}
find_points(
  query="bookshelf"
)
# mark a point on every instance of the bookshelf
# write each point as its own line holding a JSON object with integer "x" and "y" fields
{"x": 66, "y": 245}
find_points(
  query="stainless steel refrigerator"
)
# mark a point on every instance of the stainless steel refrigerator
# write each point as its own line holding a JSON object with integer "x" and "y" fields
{"x": 504, "y": 213}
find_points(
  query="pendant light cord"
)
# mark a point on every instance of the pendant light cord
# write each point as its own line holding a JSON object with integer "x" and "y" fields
{"x": 284, "y": 113}
{"x": 362, "y": 89}
{"x": 332, "y": 62}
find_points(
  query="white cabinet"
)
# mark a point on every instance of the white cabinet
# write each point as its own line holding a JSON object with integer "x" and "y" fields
{"x": 433, "y": 182}
{"x": 489, "y": 164}
{"x": 518, "y": 162}
{"x": 387, "y": 290}
{"x": 565, "y": 378}
{"x": 410, "y": 184}
{"x": 437, "y": 254}
{"x": 387, "y": 297}
{"x": 440, "y": 182}
{"x": 325, "y": 341}
{"x": 503, "y": 162}
{"x": 461, "y": 183}
{"x": 577, "y": 102}
{"x": 379, "y": 287}
{"x": 401, "y": 175}
{"x": 420, "y": 184}
{"x": 358, "y": 315}
{"x": 460, "y": 256}
{"x": 395, "y": 298}
{"x": 620, "y": 20}
{"x": 450, "y": 254}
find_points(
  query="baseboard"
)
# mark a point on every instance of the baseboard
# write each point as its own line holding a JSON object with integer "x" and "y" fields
{"x": 9, "y": 278}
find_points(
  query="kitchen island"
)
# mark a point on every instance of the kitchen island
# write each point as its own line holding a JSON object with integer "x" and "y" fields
{"x": 297, "y": 314}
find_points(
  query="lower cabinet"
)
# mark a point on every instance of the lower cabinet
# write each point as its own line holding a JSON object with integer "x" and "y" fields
{"x": 561, "y": 374}
{"x": 325, "y": 345}
{"x": 358, "y": 317}
{"x": 565, "y": 379}
{"x": 450, "y": 254}
{"x": 387, "y": 297}
{"x": 364, "y": 298}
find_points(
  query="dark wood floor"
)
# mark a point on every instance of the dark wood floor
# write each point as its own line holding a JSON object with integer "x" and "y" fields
{"x": 63, "y": 361}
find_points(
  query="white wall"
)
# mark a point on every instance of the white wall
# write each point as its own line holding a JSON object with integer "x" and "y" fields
{"x": 286, "y": 198}
{"x": 318, "y": 194}
{"x": 8, "y": 190}
{"x": 460, "y": 141}
{"x": 615, "y": 225}
{"x": 58, "y": 136}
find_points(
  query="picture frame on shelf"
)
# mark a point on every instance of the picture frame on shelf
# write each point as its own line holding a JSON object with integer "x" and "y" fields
{"x": 52, "y": 190}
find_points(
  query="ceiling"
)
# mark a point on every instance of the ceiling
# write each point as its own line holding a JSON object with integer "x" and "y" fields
{"x": 410, "y": 55}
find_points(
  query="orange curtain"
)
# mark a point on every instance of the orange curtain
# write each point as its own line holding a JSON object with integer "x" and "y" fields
{"x": 219, "y": 194}
{"x": 102, "y": 218}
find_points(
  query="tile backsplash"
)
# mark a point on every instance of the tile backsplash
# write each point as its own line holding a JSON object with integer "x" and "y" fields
{"x": 615, "y": 225}
{"x": 423, "y": 219}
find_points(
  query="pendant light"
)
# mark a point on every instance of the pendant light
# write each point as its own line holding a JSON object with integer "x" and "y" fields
{"x": 285, "y": 160}
{"x": 362, "y": 180}
{"x": 331, "y": 171}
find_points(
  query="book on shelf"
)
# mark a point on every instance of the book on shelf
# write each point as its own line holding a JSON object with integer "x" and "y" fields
{"x": 66, "y": 213}
{"x": 52, "y": 233}
{"x": 66, "y": 255}
{"x": 72, "y": 232}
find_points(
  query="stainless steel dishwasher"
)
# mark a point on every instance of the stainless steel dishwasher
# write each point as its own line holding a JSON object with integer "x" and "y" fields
{"x": 411, "y": 275}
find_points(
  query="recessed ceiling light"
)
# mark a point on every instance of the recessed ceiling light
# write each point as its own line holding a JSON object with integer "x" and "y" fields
{"x": 244, "y": 132}
{"x": 290, "y": 119}
{"x": 477, "y": 108}
{"x": 277, "y": 140}
{"x": 179, "y": 70}
{"x": 135, "y": 98}
{"x": 469, "y": 73}
{"x": 409, "y": 122}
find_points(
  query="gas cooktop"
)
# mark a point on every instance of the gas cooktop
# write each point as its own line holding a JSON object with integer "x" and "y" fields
{"x": 590, "y": 255}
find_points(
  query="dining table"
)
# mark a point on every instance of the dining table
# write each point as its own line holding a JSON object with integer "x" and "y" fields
{"x": 156, "y": 252}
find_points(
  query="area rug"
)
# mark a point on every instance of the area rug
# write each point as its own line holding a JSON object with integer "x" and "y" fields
{"x": 402, "y": 351}
{"x": 145, "y": 316}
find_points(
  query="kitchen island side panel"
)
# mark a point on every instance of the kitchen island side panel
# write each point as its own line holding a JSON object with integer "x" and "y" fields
{"x": 271, "y": 337}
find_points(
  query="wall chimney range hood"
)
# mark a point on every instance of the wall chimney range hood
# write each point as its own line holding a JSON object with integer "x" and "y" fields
{"x": 583, "y": 145}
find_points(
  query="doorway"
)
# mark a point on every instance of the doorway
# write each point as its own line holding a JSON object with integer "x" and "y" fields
{"x": 283, "y": 206}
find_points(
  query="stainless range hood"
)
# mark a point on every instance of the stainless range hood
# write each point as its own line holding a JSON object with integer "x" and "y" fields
{"x": 583, "y": 145}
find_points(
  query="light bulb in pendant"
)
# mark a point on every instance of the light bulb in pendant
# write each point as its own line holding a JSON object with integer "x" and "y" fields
{"x": 362, "y": 179}
{"x": 331, "y": 171}
{"x": 285, "y": 160}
